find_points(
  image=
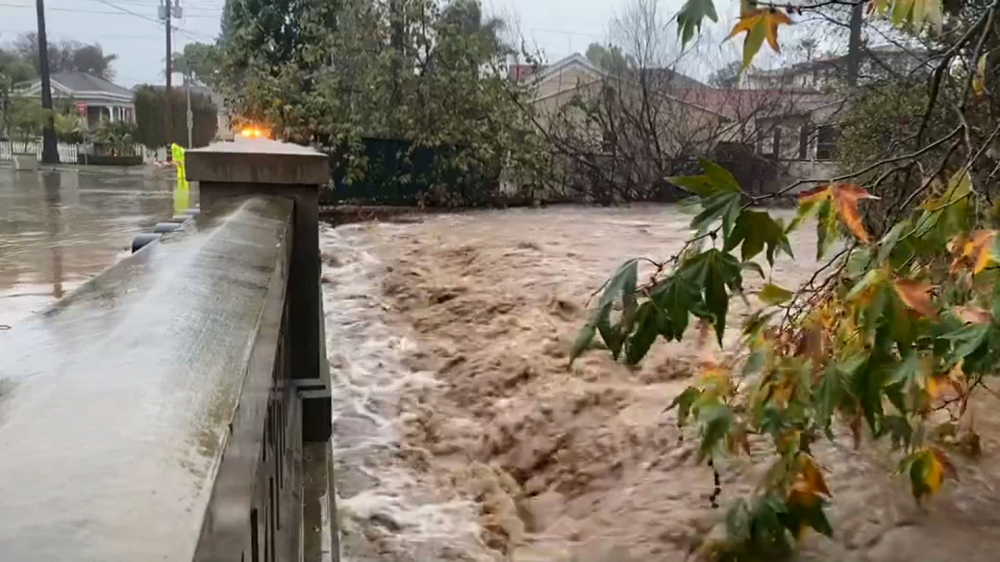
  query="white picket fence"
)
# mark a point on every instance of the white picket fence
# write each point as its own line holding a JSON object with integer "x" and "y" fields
{"x": 67, "y": 152}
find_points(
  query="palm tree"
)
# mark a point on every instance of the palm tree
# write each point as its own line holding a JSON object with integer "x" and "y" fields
{"x": 466, "y": 17}
{"x": 809, "y": 46}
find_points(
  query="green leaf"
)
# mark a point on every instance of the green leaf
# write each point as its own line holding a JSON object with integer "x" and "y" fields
{"x": 966, "y": 340}
{"x": 901, "y": 11}
{"x": 773, "y": 294}
{"x": 888, "y": 242}
{"x": 755, "y": 229}
{"x": 714, "y": 270}
{"x": 583, "y": 339}
{"x": 754, "y": 267}
{"x": 873, "y": 278}
{"x": 718, "y": 175}
{"x": 807, "y": 209}
{"x": 612, "y": 335}
{"x": 621, "y": 283}
{"x": 690, "y": 17}
{"x": 725, "y": 206}
{"x": 715, "y": 181}
{"x": 799, "y": 516}
{"x": 827, "y": 227}
{"x": 716, "y": 420}
{"x": 647, "y": 327}
{"x": 899, "y": 430}
{"x": 828, "y": 395}
{"x": 674, "y": 297}
{"x": 683, "y": 403}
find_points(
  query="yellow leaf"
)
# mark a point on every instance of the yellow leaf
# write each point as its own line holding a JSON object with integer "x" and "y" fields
{"x": 934, "y": 386}
{"x": 933, "y": 474}
{"x": 846, "y": 197}
{"x": 812, "y": 477}
{"x": 916, "y": 295}
{"x": 714, "y": 379}
{"x": 916, "y": 11}
{"x": 774, "y": 18}
{"x": 976, "y": 251}
{"x": 759, "y": 24}
{"x": 979, "y": 80}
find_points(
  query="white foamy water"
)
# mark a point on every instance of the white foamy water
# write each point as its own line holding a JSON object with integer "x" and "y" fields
{"x": 385, "y": 511}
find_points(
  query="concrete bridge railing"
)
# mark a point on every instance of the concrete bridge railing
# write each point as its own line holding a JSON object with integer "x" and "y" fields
{"x": 176, "y": 407}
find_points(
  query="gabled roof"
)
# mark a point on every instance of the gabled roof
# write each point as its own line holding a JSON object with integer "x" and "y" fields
{"x": 668, "y": 75}
{"x": 79, "y": 85}
{"x": 564, "y": 64}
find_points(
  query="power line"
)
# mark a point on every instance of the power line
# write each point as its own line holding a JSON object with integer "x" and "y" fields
{"x": 74, "y": 10}
{"x": 100, "y": 35}
{"x": 127, "y": 11}
{"x": 120, "y": 11}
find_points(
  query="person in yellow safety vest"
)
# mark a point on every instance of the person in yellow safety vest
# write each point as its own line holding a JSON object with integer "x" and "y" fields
{"x": 181, "y": 191}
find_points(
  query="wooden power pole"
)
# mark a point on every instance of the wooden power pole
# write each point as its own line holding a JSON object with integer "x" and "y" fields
{"x": 168, "y": 100}
{"x": 854, "y": 43}
{"x": 50, "y": 150}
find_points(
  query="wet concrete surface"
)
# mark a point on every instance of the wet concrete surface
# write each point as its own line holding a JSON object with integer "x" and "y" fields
{"x": 58, "y": 229}
{"x": 117, "y": 401}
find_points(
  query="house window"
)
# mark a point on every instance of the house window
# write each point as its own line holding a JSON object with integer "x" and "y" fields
{"x": 804, "y": 143}
{"x": 826, "y": 142}
{"x": 770, "y": 142}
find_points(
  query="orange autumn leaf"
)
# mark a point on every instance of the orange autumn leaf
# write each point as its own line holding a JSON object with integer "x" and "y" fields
{"x": 934, "y": 386}
{"x": 972, "y": 314}
{"x": 846, "y": 198}
{"x": 814, "y": 194}
{"x": 975, "y": 252}
{"x": 812, "y": 478}
{"x": 916, "y": 295}
{"x": 981, "y": 242}
{"x": 809, "y": 484}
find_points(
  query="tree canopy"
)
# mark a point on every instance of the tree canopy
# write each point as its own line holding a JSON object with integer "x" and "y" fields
{"x": 333, "y": 73}
{"x": 67, "y": 56}
{"x": 201, "y": 61}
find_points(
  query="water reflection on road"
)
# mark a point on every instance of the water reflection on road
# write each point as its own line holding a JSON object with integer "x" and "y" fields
{"x": 58, "y": 229}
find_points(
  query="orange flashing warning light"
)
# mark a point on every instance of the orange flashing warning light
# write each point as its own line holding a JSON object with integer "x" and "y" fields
{"x": 251, "y": 133}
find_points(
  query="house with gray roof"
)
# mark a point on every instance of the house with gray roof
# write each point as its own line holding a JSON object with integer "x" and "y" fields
{"x": 96, "y": 98}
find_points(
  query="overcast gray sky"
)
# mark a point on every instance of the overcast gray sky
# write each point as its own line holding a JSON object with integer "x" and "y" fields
{"x": 557, "y": 27}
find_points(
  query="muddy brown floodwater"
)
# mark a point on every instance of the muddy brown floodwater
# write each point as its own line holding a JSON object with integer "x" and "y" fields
{"x": 460, "y": 434}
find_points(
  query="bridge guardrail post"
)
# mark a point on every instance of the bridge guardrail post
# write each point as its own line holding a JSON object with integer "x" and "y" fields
{"x": 262, "y": 167}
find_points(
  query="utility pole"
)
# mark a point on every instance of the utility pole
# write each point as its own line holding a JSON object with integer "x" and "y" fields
{"x": 854, "y": 43}
{"x": 166, "y": 13}
{"x": 170, "y": 55}
{"x": 188, "y": 114}
{"x": 50, "y": 151}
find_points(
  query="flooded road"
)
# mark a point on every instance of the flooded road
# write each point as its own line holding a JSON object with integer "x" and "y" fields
{"x": 58, "y": 229}
{"x": 460, "y": 434}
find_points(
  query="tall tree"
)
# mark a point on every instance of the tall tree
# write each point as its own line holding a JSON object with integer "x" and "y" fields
{"x": 68, "y": 56}
{"x": 13, "y": 70}
{"x": 610, "y": 58}
{"x": 201, "y": 61}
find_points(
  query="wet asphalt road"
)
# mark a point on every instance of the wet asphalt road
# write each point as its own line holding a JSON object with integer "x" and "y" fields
{"x": 58, "y": 229}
